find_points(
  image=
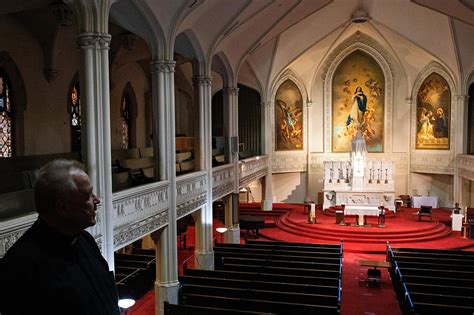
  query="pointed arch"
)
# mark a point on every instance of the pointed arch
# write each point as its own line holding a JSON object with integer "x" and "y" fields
{"x": 128, "y": 116}
{"x": 289, "y": 75}
{"x": 470, "y": 119}
{"x": 289, "y": 127}
{"x": 74, "y": 110}
{"x": 433, "y": 68}
{"x": 364, "y": 43}
{"x": 249, "y": 108}
{"x": 358, "y": 94}
{"x": 17, "y": 99}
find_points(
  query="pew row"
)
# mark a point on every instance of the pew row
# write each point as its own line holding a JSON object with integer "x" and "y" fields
{"x": 432, "y": 281}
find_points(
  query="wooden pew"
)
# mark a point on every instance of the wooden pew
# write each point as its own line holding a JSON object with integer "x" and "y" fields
{"x": 407, "y": 263}
{"x": 437, "y": 273}
{"x": 280, "y": 270}
{"x": 436, "y": 281}
{"x": 278, "y": 256}
{"x": 265, "y": 277}
{"x": 420, "y": 308}
{"x": 143, "y": 251}
{"x": 282, "y": 247}
{"x": 276, "y": 296}
{"x": 260, "y": 251}
{"x": 433, "y": 252}
{"x": 261, "y": 285}
{"x": 258, "y": 305}
{"x": 272, "y": 262}
{"x": 434, "y": 260}
{"x": 422, "y": 297}
{"x": 176, "y": 309}
{"x": 439, "y": 289}
{"x": 135, "y": 274}
{"x": 293, "y": 244}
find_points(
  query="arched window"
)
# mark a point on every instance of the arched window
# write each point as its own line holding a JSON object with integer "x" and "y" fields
{"x": 125, "y": 118}
{"x": 6, "y": 147}
{"x": 128, "y": 115}
{"x": 470, "y": 122}
{"x": 74, "y": 100}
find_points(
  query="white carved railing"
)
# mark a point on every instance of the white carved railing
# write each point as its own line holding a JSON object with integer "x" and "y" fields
{"x": 222, "y": 180}
{"x": 139, "y": 211}
{"x": 252, "y": 169}
{"x": 465, "y": 166}
{"x": 11, "y": 230}
{"x": 191, "y": 190}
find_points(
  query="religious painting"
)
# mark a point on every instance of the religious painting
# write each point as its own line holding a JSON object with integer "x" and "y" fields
{"x": 358, "y": 95}
{"x": 432, "y": 114}
{"x": 288, "y": 117}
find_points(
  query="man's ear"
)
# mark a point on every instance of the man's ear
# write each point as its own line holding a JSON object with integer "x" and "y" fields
{"x": 61, "y": 207}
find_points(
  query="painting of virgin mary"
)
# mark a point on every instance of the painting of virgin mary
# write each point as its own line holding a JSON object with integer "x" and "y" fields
{"x": 358, "y": 96}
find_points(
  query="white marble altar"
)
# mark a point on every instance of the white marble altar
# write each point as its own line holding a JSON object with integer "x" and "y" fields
{"x": 359, "y": 181}
{"x": 361, "y": 212}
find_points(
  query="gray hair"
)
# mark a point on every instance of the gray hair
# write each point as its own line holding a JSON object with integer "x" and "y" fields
{"x": 54, "y": 181}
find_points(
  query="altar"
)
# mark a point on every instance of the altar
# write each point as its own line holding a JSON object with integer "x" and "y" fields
{"x": 361, "y": 212}
{"x": 359, "y": 181}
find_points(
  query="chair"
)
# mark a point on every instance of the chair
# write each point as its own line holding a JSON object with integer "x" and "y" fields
{"x": 425, "y": 211}
{"x": 406, "y": 200}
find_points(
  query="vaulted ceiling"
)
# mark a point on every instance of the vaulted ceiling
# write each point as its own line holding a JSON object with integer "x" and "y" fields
{"x": 262, "y": 38}
{"x": 267, "y": 36}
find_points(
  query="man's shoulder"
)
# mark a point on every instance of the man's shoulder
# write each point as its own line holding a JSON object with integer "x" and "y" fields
{"x": 27, "y": 244}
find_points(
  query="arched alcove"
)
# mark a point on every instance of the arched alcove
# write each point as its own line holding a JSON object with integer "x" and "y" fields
{"x": 18, "y": 101}
{"x": 470, "y": 122}
{"x": 290, "y": 76}
{"x": 363, "y": 43}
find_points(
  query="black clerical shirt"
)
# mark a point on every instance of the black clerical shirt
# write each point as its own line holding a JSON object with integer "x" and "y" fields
{"x": 45, "y": 272}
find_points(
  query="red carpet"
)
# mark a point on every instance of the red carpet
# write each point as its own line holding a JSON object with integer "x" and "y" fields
{"x": 402, "y": 230}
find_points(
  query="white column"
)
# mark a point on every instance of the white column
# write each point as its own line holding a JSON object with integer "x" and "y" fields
{"x": 163, "y": 104}
{"x": 95, "y": 100}
{"x": 231, "y": 123}
{"x": 267, "y": 202}
{"x": 460, "y": 108}
{"x": 204, "y": 254}
{"x": 408, "y": 188}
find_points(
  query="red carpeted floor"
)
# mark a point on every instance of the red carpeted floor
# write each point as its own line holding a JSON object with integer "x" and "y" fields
{"x": 358, "y": 296}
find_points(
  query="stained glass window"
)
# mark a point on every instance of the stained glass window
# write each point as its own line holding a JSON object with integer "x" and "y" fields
{"x": 75, "y": 104}
{"x": 125, "y": 115}
{"x": 5, "y": 119}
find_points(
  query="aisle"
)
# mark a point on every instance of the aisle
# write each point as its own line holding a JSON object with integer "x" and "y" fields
{"x": 359, "y": 298}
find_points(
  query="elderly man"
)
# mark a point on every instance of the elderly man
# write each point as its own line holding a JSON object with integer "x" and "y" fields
{"x": 56, "y": 267}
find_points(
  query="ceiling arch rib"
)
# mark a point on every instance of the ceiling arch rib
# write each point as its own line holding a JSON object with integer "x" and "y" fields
{"x": 136, "y": 17}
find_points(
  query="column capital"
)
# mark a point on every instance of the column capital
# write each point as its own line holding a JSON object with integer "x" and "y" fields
{"x": 230, "y": 91}
{"x": 266, "y": 104}
{"x": 94, "y": 40}
{"x": 461, "y": 97}
{"x": 202, "y": 80}
{"x": 167, "y": 66}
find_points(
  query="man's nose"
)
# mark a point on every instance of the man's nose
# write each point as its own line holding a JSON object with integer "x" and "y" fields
{"x": 96, "y": 200}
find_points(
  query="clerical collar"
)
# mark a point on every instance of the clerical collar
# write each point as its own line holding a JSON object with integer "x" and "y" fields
{"x": 59, "y": 237}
